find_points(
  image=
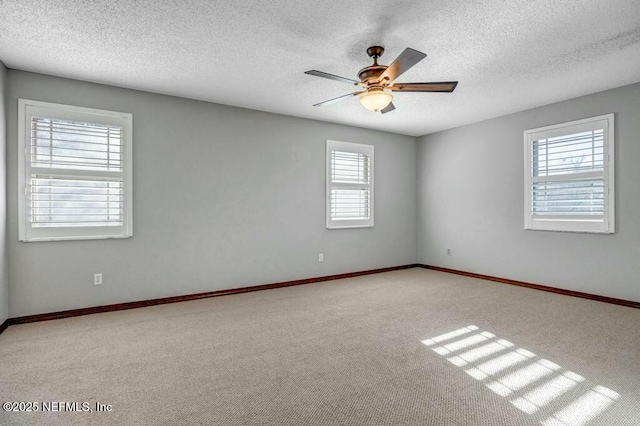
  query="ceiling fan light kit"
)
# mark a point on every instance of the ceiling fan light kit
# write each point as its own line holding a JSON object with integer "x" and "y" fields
{"x": 376, "y": 99}
{"x": 378, "y": 81}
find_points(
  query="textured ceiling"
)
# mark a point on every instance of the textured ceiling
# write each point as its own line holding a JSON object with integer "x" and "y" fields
{"x": 507, "y": 55}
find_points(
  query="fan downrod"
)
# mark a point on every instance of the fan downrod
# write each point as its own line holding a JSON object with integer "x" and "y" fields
{"x": 371, "y": 73}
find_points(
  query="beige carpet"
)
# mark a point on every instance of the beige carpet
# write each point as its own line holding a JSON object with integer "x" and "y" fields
{"x": 412, "y": 347}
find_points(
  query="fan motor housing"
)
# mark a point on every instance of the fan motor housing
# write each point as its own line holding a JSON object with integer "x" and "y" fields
{"x": 371, "y": 73}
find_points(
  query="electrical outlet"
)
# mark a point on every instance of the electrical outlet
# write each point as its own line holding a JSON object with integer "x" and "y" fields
{"x": 97, "y": 279}
{"x": 449, "y": 252}
{"x": 321, "y": 257}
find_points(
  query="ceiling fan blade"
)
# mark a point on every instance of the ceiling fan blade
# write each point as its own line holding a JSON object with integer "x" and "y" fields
{"x": 446, "y": 86}
{"x": 388, "y": 108}
{"x": 333, "y": 77}
{"x": 407, "y": 59}
{"x": 338, "y": 99}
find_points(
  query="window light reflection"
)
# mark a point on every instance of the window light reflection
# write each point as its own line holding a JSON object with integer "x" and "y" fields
{"x": 529, "y": 382}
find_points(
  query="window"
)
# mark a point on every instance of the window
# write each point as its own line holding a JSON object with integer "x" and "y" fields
{"x": 349, "y": 185}
{"x": 569, "y": 176}
{"x": 74, "y": 172}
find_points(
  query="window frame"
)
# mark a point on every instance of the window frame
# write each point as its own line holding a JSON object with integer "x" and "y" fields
{"x": 604, "y": 225}
{"x": 333, "y": 145}
{"x": 28, "y": 108}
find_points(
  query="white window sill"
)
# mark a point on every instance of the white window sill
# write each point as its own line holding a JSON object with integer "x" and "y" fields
{"x": 84, "y": 237}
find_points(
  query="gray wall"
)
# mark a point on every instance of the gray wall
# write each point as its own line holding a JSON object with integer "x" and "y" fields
{"x": 4, "y": 279}
{"x": 470, "y": 187}
{"x": 223, "y": 197}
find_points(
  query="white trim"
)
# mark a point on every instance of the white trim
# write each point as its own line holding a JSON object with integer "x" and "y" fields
{"x": 75, "y": 238}
{"x": 577, "y": 126}
{"x": 601, "y": 224}
{"x": 29, "y": 108}
{"x": 332, "y": 145}
{"x": 63, "y": 111}
{"x": 22, "y": 169}
{"x": 560, "y": 225}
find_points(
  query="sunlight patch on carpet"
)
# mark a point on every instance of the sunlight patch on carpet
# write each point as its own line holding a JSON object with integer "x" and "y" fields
{"x": 534, "y": 385}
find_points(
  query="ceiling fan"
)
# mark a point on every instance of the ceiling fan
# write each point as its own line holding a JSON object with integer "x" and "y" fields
{"x": 377, "y": 81}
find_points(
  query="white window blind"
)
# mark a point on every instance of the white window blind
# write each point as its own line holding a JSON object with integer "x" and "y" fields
{"x": 77, "y": 172}
{"x": 349, "y": 185}
{"x": 569, "y": 176}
